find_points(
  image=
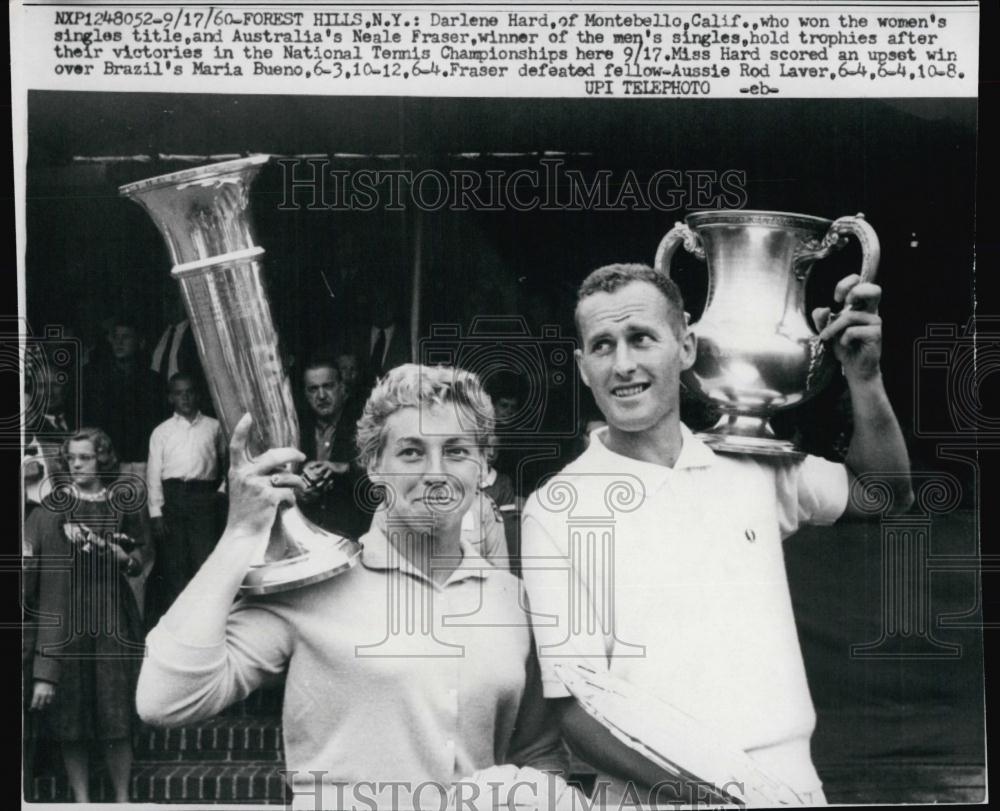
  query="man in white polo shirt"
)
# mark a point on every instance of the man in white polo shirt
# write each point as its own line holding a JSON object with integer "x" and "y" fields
{"x": 684, "y": 594}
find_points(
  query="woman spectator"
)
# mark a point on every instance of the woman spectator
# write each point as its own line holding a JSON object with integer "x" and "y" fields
{"x": 415, "y": 669}
{"x": 86, "y": 537}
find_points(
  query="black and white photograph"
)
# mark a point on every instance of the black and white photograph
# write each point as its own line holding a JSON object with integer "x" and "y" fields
{"x": 443, "y": 452}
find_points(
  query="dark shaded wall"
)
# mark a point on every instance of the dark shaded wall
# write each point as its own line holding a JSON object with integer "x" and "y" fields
{"x": 908, "y": 165}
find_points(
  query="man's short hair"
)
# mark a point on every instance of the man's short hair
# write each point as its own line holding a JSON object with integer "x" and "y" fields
{"x": 177, "y": 376}
{"x": 610, "y": 278}
{"x": 127, "y": 321}
{"x": 321, "y": 362}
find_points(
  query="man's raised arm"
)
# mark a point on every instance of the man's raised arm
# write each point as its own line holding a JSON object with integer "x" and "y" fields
{"x": 855, "y": 335}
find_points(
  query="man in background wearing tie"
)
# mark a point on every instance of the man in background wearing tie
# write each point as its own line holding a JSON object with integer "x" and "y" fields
{"x": 176, "y": 352}
{"x": 388, "y": 342}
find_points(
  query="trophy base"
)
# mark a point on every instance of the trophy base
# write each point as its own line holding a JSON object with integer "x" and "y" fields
{"x": 749, "y": 436}
{"x": 751, "y": 446}
{"x": 299, "y": 554}
{"x": 302, "y": 570}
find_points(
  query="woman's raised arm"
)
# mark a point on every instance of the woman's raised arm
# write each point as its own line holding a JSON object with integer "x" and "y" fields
{"x": 205, "y": 653}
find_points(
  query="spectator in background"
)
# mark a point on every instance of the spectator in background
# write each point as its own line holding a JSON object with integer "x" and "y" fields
{"x": 499, "y": 488}
{"x": 49, "y": 419}
{"x": 176, "y": 352}
{"x": 83, "y": 674}
{"x": 327, "y": 439}
{"x": 100, "y": 336}
{"x": 124, "y": 397}
{"x": 385, "y": 342}
{"x": 496, "y": 484}
{"x": 506, "y": 391}
{"x": 350, "y": 374}
{"x": 186, "y": 460}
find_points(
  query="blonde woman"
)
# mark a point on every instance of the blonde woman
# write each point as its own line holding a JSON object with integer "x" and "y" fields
{"x": 411, "y": 672}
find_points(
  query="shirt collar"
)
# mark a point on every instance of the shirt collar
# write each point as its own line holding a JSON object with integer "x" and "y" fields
{"x": 377, "y": 553}
{"x": 330, "y": 428}
{"x": 694, "y": 454}
{"x": 195, "y": 421}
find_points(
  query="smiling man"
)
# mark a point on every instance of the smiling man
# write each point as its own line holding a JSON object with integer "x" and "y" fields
{"x": 684, "y": 591}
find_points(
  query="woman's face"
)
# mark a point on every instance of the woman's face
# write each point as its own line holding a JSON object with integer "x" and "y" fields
{"x": 82, "y": 460}
{"x": 431, "y": 465}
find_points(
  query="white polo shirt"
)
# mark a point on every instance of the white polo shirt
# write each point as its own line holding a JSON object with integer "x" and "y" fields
{"x": 674, "y": 578}
{"x": 389, "y": 677}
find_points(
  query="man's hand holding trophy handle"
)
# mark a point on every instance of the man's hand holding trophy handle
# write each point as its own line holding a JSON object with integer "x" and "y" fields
{"x": 855, "y": 331}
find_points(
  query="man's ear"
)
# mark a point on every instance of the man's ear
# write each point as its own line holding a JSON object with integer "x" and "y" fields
{"x": 578, "y": 354}
{"x": 688, "y": 349}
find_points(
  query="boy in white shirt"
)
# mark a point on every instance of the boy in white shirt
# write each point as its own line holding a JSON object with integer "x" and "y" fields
{"x": 186, "y": 460}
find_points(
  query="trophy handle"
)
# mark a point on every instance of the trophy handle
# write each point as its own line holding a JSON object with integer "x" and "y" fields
{"x": 834, "y": 240}
{"x": 676, "y": 236}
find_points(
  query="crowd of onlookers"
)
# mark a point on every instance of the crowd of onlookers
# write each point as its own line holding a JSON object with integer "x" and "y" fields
{"x": 125, "y": 497}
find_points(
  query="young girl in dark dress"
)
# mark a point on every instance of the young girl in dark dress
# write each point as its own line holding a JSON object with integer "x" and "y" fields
{"x": 86, "y": 537}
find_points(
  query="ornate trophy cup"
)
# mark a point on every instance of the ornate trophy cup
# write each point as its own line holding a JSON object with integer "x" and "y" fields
{"x": 757, "y": 353}
{"x": 203, "y": 215}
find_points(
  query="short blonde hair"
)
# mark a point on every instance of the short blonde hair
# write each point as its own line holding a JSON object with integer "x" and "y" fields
{"x": 413, "y": 386}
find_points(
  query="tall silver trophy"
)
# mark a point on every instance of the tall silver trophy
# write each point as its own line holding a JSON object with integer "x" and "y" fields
{"x": 203, "y": 215}
{"x": 757, "y": 353}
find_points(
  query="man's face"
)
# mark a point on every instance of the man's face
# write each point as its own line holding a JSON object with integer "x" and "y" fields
{"x": 631, "y": 358}
{"x": 324, "y": 391}
{"x": 54, "y": 387}
{"x": 505, "y": 408}
{"x": 348, "y": 365}
{"x": 183, "y": 398}
{"x": 124, "y": 343}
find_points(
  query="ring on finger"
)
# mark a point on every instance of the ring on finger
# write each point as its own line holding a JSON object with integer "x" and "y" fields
{"x": 275, "y": 480}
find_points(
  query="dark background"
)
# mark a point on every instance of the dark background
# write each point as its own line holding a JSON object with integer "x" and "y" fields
{"x": 909, "y": 165}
